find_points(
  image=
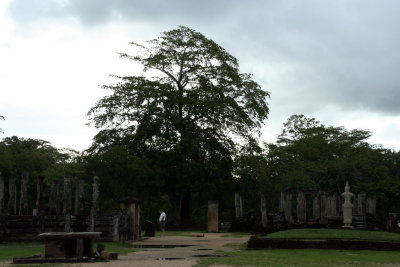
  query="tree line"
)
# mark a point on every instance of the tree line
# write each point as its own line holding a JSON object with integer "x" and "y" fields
{"x": 187, "y": 130}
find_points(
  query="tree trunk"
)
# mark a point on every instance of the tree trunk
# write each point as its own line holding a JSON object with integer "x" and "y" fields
{"x": 176, "y": 204}
{"x": 264, "y": 219}
{"x": 185, "y": 208}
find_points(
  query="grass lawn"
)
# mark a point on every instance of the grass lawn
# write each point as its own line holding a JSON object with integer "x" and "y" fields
{"x": 12, "y": 250}
{"x": 313, "y": 257}
{"x": 345, "y": 234}
{"x": 305, "y": 258}
{"x": 19, "y": 250}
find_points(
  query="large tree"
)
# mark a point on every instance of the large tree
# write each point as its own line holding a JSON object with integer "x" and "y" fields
{"x": 189, "y": 107}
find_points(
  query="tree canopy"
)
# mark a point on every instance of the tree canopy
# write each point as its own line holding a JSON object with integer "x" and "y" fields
{"x": 186, "y": 111}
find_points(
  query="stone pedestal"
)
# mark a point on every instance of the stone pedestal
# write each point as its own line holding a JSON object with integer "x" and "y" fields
{"x": 212, "y": 226}
{"x": 60, "y": 245}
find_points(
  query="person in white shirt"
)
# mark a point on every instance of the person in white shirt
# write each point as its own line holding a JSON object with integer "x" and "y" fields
{"x": 162, "y": 220}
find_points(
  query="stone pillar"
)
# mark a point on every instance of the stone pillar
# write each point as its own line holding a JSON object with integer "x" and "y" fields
{"x": 316, "y": 208}
{"x": 23, "y": 201}
{"x": 54, "y": 198}
{"x": 263, "y": 206}
{"x": 12, "y": 200}
{"x": 137, "y": 221}
{"x": 331, "y": 208}
{"x": 1, "y": 195}
{"x": 322, "y": 205}
{"x": 355, "y": 206}
{"x": 212, "y": 226}
{"x": 67, "y": 225}
{"x": 67, "y": 204}
{"x": 238, "y": 206}
{"x": 95, "y": 202}
{"x": 39, "y": 194}
{"x": 347, "y": 207}
{"x": 301, "y": 208}
{"x": 288, "y": 208}
{"x": 79, "y": 197}
{"x": 282, "y": 203}
{"x": 67, "y": 196}
{"x": 371, "y": 206}
{"x": 96, "y": 193}
{"x": 116, "y": 226}
{"x": 361, "y": 205}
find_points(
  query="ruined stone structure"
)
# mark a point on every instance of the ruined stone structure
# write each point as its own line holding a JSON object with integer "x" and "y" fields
{"x": 326, "y": 207}
{"x": 47, "y": 216}
{"x": 212, "y": 225}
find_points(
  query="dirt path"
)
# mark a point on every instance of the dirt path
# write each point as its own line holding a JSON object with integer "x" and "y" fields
{"x": 168, "y": 251}
{"x": 177, "y": 251}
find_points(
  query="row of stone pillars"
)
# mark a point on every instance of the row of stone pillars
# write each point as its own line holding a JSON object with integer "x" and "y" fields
{"x": 324, "y": 205}
{"x": 53, "y": 206}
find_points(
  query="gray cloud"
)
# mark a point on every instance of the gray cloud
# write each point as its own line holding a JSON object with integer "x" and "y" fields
{"x": 318, "y": 52}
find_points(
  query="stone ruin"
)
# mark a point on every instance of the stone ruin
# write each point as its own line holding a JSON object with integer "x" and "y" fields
{"x": 326, "y": 208}
{"x": 309, "y": 208}
{"x": 53, "y": 216}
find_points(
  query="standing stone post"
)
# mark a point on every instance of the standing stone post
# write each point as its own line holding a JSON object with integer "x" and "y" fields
{"x": 67, "y": 196}
{"x": 212, "y": 226}
{"x": 322, "y": 205}
{"x": 288, "y": 208}
{"x": 371, "y": 206}
{"x": 1, "y": 195}
{"x": 331, "y": 208}
{"x": 301, "y": 208}
{"x": 263, "y": 206}
{"x": 316, "y": 208}
{"x": 23, "y": 201}
{"x": 238, "y": 206}
{"x": 79, "y": 197}
{"x": 67, "y": 203}
{"x": 54, "y": 198}
{"x": 95, "y": 201}
{"x": 361, "y": 205}
{"x": 116, "y": 224}
{"x": 39, "y": 195}
{"x": 282, "y": 203}
{"x": 355, "y": 205}
{"x": 12, "y": 200}
{"x": 347, "y": 207}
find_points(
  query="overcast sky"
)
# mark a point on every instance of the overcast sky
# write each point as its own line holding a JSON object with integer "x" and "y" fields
{"x": 337, "y": 61}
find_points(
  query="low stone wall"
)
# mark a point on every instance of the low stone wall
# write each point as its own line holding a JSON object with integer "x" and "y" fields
{"x": 269, "y": 243}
